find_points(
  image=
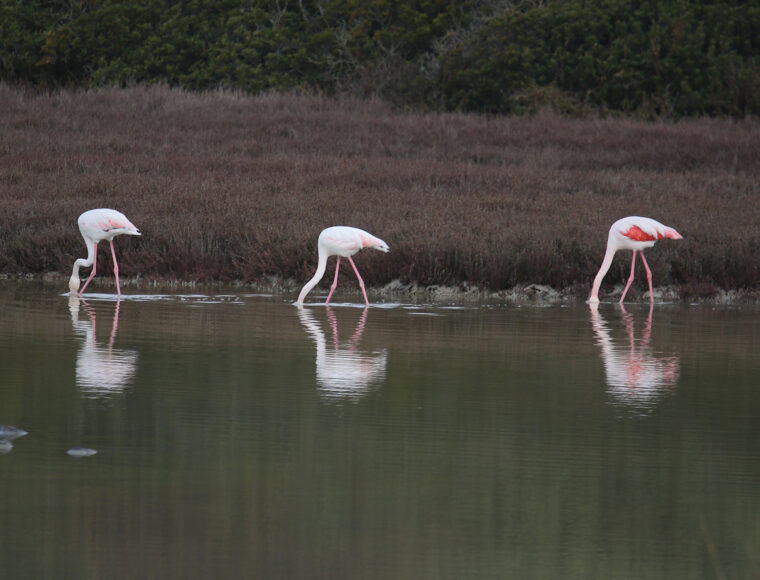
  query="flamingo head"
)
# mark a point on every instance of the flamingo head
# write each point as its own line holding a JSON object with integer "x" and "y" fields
{"x": 672, "y": 234}
{"x": 382, "y": 246}
{"x": 74, "y": 284}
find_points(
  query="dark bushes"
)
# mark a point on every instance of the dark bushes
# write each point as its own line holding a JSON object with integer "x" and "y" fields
{"x": 666, "y": 59}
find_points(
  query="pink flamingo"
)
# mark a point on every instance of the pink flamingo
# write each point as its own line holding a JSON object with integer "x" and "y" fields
{"x": 631, "y": 233}
{"x": 97, "y": 225}
{"x": 341, "y": 241}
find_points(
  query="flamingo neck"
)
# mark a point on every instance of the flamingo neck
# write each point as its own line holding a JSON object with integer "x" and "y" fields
{"x": 74, "y": 281}
{"x": 606, "y": 263}
{"x": 321, "y": 267}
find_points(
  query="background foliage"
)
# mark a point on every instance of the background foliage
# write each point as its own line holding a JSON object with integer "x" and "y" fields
{"x": 650, "y": 59}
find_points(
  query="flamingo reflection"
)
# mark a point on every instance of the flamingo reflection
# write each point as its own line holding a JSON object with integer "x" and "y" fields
{"x": 636, "y": 376}
{"x": 101, "y": 371}
{"x": 344, "y": 372}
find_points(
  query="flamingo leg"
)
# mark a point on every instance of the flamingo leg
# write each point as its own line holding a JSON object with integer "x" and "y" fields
{"x": 361, "y": 282}
{"x": 115, "y": 269}
{"x": 335, "y": 281}
{"x": 630, "y": 278}
{"x": 649, "y": 278}
{"x": 94, "y": 265}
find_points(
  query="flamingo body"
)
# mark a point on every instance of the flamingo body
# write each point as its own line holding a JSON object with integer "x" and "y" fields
{"x": 97, "y": 225}
{"x": 343, "y": 242}
{"x": 631, "y": 233}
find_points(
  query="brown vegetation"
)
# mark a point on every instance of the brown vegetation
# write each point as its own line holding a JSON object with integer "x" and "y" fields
{"x": 228, "y": 187}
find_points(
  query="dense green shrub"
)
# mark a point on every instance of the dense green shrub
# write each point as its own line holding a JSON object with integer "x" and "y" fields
{"x": 653, "y": 59}
{"x": 649, "y": 58}
{"x": 252, "y": 45}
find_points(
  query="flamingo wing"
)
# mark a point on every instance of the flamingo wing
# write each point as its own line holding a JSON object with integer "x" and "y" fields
{"x": 108, "y": 223}
{"x": 342, "y": 244}
{"x": 647, "y": 230}
{"x": 637, "y": 234}
{"x": 106, "y": 220}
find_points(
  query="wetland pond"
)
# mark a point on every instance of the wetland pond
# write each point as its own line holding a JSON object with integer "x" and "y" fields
{"x": 236, "y": 436}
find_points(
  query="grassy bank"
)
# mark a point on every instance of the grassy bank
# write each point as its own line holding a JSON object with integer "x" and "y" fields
{"x": 227, "y": 187}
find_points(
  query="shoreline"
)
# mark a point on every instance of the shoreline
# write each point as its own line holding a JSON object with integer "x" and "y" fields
{"x": 413, "y": 292}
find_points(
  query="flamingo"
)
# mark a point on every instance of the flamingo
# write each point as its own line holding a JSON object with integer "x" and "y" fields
{"x": 341, "y": 241}
{"x": 97, "y": 225}
{"x": 631, "y": 233}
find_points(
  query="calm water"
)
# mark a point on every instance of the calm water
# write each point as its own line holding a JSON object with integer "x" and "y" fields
{"x": 238, "y": 437}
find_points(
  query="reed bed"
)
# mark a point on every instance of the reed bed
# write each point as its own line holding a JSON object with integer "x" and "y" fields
{"x": 231, "y": 187}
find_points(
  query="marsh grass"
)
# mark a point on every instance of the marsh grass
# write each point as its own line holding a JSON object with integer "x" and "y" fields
{"x": 229, "y": 187}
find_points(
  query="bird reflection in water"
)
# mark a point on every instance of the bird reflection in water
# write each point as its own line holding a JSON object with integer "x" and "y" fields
{"x": 101, "y": 371}
{"x": 637, "y": 377}
{"x": 344, "y": 371}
